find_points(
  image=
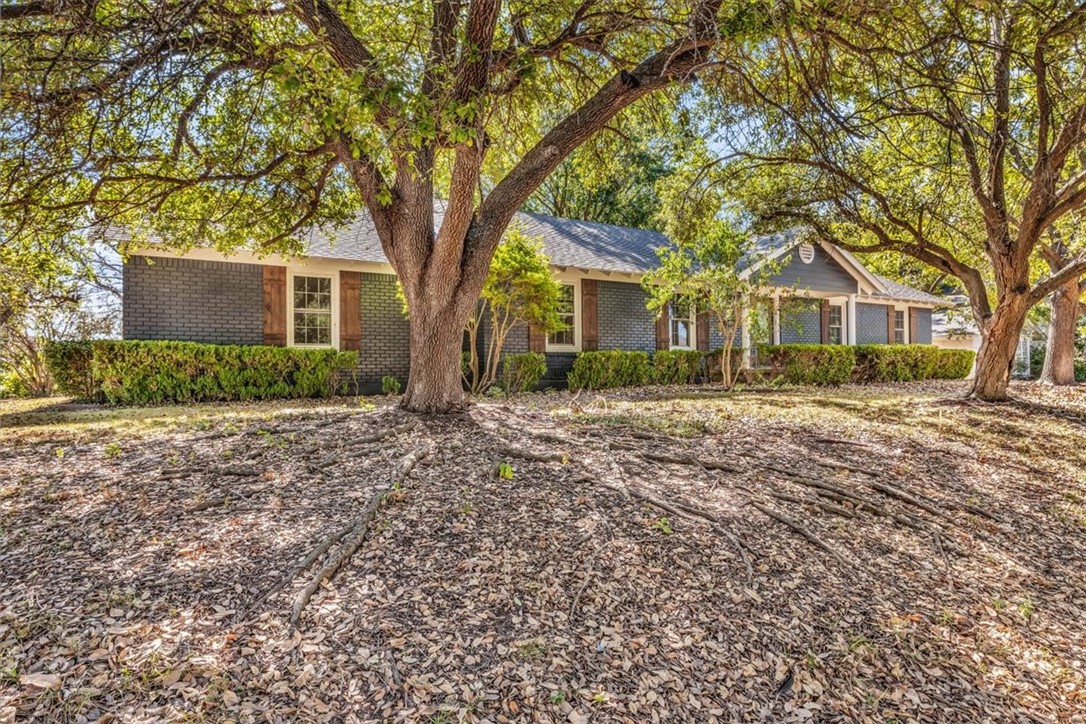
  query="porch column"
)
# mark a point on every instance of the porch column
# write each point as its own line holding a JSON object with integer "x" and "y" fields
{"x": 776, "y": 319}
{"x": 850, "y": 314}
{"x": 745, "y": 337}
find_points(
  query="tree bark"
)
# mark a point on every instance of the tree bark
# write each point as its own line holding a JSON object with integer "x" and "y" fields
{"x": 995, "y": 360}
{"x": 434, "y": 383}
{"x": 1059, "y": 367}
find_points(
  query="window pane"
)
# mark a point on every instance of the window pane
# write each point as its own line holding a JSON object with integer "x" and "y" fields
{"x": 566, "y": 307}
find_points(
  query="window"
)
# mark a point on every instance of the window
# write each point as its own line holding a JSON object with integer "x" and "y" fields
{"x": 836, "y": 315}
{"x": 682, "y": 325}
{"x": 565, "y": 339}
{"x": 899, "y": 326}
{"x": 311, "y": 313}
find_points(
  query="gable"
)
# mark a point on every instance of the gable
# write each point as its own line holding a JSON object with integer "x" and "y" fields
{"x": 823, "y": 274}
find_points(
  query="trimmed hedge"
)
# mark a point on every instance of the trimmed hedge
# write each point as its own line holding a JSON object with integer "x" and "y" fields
{"x": 152, "y": 372}
{"x": 676, "y": 367}
{"x": 908, "y": 362}
{"x": 613, "y": 368}
{"x": 522, "y": 372}
{"x": 70, "y": 365}
{"x": 954, "y": 364}
{"x": 810, "y": 364}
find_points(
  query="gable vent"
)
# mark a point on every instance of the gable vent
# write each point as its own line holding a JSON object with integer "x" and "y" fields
{"x": 806, "y": 253}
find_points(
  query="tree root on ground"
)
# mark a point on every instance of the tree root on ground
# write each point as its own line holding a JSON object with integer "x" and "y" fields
{"x": 356, "y": 535}
{"x": 661, "y": 457}
{"x": 683, "y": 510}
{"x": 803, "y": 531}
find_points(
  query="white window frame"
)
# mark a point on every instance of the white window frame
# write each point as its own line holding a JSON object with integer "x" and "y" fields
{"x": 576, "y": 346}
{"x": 904, "y": 325}
{"x": 840, "y": 326}
{"x": 334, "y": 276}
{"x": 692, "y": 319}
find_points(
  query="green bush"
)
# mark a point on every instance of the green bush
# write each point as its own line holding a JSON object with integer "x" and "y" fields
{"x": 521, "y": 372}
{"x": 895, "y": 362}
{"x": 151, "y": 373}
{"x": 676, "y": 367}
{"x": 614, "y": 368}
{"x": 12, "y": 386}
{"x": 390, "y": 385}
{"x": 70, "y": 363}
{"x": 956, "y": 364}
{"x": 810, "y": 364}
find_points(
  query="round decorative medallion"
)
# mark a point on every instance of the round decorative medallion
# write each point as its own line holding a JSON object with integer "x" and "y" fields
{"x": 806, "y": 253}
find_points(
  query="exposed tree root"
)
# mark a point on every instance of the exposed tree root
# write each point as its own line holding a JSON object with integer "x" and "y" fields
{"x": 302, "y": 567}
{"x": 223, "y": 500}
{"x": 909, "y": 498}
{"x": 803, "y": 531}
{"x": 513, "y": 452}
{"x": 357, "y": 533}
{"x": 683, "y": 510}
{"x": 662, "y": 457}
{"x": 821, "y": 505}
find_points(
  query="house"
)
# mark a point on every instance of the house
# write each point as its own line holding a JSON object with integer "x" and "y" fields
{"x": 343, "y": 294}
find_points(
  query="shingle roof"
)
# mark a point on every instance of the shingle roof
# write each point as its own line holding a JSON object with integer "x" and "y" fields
{"x": 579, "y": 244}
{"x": 567, "y": 242}
{"x": 905, "y": 293}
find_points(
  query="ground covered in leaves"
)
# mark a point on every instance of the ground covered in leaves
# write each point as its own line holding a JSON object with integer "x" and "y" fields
{"x": 885, "y": 553}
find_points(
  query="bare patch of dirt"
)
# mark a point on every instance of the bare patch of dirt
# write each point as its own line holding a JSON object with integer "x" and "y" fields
{"x": 879, "y": 553}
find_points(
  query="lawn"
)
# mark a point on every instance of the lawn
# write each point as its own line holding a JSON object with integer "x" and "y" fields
{"x": 881, "y": 553}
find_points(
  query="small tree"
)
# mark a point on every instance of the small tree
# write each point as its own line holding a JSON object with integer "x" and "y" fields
{"x": 704, "y": 272}
{"x": 519, "y": 289}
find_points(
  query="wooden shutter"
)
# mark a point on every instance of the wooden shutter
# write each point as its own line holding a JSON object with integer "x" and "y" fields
{"x": 350, "y": 310}
{"x": 537, "y": 341}
{"x": 663, "y": 334}
{"x": 590, "y": 314}
{"x": 889, "y": 325}
{"x": 275, "y": 305}
{"x": 825, "y": 321}
{"x": 914, "y": 324}
{"x": 703, "y": 331}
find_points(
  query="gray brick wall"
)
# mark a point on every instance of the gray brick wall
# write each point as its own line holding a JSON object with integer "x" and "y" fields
{"x": 871, "y": 323}
{"x": 923, "y": 326}
{"x": 386, "y": 338}
{"x": 194, "y": 301}
{"x": 801, "y": 321}
{"x": 625, "y": 322}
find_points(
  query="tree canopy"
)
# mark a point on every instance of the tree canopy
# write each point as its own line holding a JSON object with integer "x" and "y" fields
{"x": 948, "y": 131}
{"x": 230, "y": 122}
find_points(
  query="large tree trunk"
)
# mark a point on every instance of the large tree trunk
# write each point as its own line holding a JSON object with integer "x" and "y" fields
{"x": 434, "y": 384}
{"x": 995, "y": 360}
{"x": 1059, "y": 368}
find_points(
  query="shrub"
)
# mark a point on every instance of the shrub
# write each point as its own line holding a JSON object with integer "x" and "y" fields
{"x": 956, "y": 364}
{"x": 148, "y": 373}
{"x": 810, "y": 364}
{"x": 522, "y": 372}
{"x": 12, "y": 386}
{"x": 614, "y": 368}
{"x": 676, "y": 367}
{"x": 70, "y": 365}
{"x": 390, "y": 385}
{"x": 895, "y": 362}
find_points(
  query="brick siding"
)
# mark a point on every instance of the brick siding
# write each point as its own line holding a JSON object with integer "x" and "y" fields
{"x": 194, "y": 301}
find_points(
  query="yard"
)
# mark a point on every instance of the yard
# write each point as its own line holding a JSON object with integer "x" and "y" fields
{"x": 879, "y": 553}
